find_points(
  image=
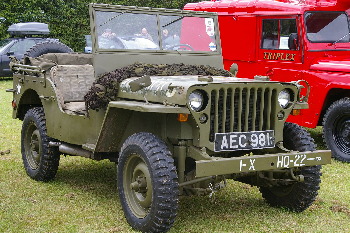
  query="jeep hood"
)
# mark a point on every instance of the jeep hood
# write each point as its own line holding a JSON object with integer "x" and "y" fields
{"x": 172, "y": 90}
{"x": 333, "y": 65}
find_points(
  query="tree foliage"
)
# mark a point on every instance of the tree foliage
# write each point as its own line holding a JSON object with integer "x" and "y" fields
{"x": 68, "y": 19}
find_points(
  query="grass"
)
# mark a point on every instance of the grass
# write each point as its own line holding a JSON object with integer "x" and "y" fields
{"x": 83, "y": 197}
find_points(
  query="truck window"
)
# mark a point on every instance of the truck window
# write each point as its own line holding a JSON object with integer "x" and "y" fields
{"x": 187, "y": 33}
{"x": 277, "y": 32}
{"x": 327, "y": 27}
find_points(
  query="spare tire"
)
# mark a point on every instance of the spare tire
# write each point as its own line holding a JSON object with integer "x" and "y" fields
{"x": 47, "y": 47}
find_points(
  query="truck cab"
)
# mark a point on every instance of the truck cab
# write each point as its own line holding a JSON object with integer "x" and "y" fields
{"x": 287, "y": 41}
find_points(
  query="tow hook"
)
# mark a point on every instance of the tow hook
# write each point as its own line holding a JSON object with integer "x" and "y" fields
{"x": 299, "y": 178}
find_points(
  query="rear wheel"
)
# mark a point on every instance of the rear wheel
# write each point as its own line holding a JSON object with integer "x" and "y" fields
{"x": 336, "y": 129}
{"x": 297, "y": 196}
{"x": 147, "y": 183}
{"x": 40, "y": 161}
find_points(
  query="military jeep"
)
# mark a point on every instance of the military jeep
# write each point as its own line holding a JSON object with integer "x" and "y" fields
{"x": 174, "y": 125}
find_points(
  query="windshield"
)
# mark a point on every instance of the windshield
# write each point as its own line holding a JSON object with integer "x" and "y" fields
{"x": 153, "y": 31}
{"x": 327, "y": 27}
{"x": 3, "y": 44}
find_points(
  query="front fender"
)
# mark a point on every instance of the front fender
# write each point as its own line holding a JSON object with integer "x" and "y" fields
{"x": 124, "y": 118}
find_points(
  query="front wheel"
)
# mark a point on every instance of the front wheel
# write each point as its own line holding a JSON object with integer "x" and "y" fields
{"x": 297, "y": 196}
{"x": 39, "y": 159}
{"x": 336, "y": 129}
{"x": 147, "y": 183}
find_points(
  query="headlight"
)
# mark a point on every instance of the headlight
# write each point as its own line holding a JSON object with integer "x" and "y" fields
{"x": 284, "y": 98}
{"x": 196, "y": 100}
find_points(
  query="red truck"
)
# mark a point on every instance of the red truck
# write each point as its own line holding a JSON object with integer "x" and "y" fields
{"x": 290, "y": 40}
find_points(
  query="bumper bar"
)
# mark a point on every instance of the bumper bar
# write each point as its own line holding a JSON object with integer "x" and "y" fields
{"x": 223, "y": 166}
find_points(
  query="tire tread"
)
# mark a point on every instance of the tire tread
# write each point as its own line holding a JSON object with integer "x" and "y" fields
{"x": 303, "y": 194}
{"x": 50, "y": 157}
{"x": 338, "y": 108}
{"x": 165, "y": 182}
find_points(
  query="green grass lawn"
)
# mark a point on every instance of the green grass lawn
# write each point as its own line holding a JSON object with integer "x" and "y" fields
{"x": 83, "y": 197}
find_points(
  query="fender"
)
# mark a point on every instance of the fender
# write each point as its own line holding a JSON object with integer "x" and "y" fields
{"x": 112, "y": 134}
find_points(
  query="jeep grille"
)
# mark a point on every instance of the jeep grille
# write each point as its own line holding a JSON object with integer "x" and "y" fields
{"x": 241, "y": 110}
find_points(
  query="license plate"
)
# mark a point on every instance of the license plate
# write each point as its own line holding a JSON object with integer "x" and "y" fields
{"x": 264, "y": 162}
{"x": 244, "y": 140}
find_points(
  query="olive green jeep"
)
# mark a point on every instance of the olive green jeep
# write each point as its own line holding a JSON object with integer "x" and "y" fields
{"x": 147, "y": 99}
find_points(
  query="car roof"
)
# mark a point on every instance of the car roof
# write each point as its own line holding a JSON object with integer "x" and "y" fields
{"x": 31, "y": 28}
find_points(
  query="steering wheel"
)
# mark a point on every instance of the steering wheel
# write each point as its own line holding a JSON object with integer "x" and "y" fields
{"x": 180, "y": 47}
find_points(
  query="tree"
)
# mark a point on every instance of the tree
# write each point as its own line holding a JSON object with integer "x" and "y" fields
{"x": 68, "y": 20}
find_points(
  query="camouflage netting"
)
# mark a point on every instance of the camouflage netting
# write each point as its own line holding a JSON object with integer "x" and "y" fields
{"x": 105, "y": 88}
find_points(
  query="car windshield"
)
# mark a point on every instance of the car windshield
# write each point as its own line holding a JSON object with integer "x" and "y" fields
{"x": 327, "y": 27}
{"x": 3, "y": 44}
{"x": 153, "y": 31}
{"x": 88, "y": 42}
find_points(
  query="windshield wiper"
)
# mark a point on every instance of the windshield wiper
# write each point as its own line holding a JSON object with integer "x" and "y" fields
{"x": 181, "y": 17}
{"x": 112, "y": 18}
{"x": 340, "y": 39}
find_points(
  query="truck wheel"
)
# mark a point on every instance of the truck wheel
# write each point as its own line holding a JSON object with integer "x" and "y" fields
{"x": 47, "y": 47}
{"x": 336, "y": 129}
{"x": 40, "y": 161}
{"x": 147, "y": 183}
{"x": 298, "y": 196}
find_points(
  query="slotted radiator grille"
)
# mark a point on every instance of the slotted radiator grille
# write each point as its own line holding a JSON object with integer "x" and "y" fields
{"x": 241, "y": 110}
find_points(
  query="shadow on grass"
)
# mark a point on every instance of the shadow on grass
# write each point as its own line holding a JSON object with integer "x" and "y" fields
{"x": 317, "y": 134}
{"x": 97, "y": 178}
{"x": 5, "y": 78}
{"x": 237, "y": 200}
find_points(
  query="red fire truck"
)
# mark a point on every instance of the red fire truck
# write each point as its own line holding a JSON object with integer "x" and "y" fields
{"x": 290, "y": 40}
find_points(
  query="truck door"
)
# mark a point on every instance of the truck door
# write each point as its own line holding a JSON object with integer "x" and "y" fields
{"x": 280, "y": 48}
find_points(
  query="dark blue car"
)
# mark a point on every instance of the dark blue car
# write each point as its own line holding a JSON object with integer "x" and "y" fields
{"x": 23, "y": 37}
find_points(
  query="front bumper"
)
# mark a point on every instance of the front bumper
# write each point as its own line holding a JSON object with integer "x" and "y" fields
{"x": 224, "y": 166}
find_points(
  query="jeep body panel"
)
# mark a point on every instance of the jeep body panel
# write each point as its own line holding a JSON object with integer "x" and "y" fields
{"x": 63, "y": 126}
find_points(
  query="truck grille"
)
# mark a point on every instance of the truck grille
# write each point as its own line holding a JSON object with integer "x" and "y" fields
{"x": 241, "y": 110}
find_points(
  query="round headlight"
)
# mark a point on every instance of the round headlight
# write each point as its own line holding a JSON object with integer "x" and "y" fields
{"x": 284, "y": 98}
{"x": 196, "y": 101}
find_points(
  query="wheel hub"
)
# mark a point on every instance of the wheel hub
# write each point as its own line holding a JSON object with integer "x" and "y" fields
{"x": 138, "y": 186}
{"x": 33, "y": 153}
{"x": 341, "y": 134}
{"x": 346, "y": 130}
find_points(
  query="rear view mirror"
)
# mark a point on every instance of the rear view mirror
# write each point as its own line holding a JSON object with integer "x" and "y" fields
{"x": 293, "y": 41}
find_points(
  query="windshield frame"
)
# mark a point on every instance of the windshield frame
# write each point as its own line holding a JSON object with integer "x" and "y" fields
{"x": 326, "y": 41}
{"x": 159, "y": 13}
